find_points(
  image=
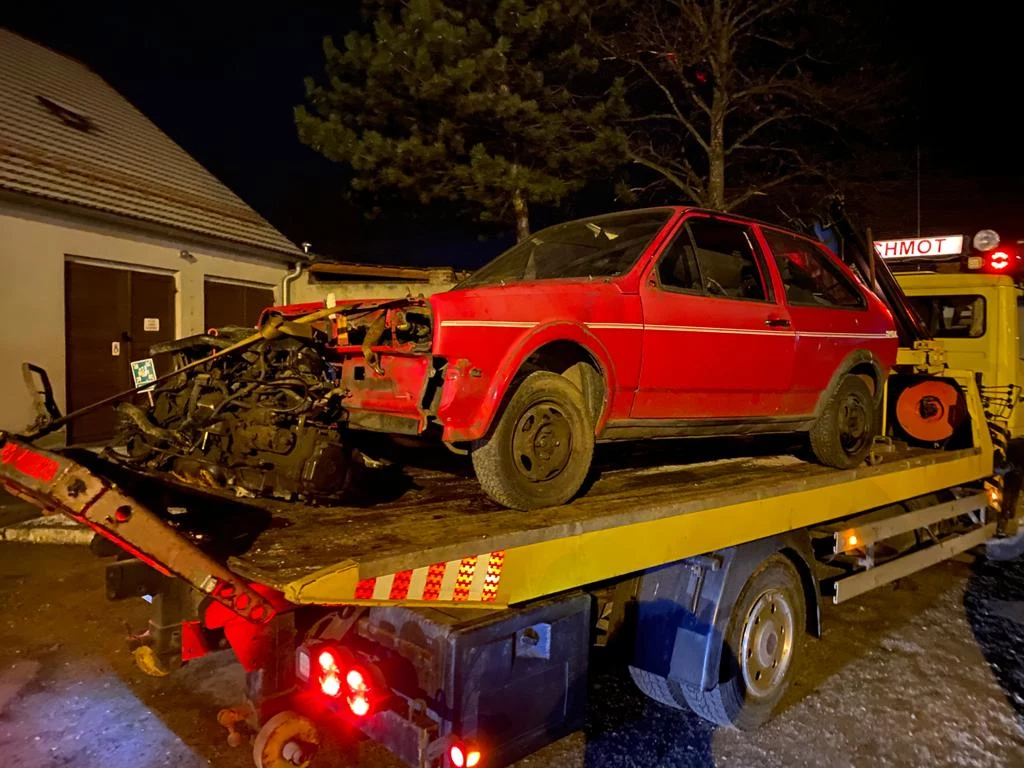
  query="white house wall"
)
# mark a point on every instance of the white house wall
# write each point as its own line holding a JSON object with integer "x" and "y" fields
{"x": 32, "y": 256}
{"x": 304, "y": 289}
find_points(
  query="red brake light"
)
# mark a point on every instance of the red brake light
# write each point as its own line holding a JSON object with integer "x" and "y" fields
{"x": 464, "y": 757}
{"x": 355, "y": 679}
{"x": 359, "y": 705}
{"x": 330, "y": 684}
{"x": 359, "y": 692}
{"x": 999, "y": 260}
{"x": 330, "y": 680}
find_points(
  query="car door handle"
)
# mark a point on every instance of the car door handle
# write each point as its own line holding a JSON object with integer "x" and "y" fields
{"x": 777, "y": 322}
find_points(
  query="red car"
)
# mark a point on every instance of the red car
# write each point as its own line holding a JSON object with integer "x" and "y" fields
{"x": 661, "y": 322}
{"x": 650, "y": 323}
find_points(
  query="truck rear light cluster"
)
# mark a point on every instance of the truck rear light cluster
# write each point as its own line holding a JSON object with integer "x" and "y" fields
{"x": 338, "y": 676}
{"x": 462, "y": 756}
{"x": 999, "y": 260}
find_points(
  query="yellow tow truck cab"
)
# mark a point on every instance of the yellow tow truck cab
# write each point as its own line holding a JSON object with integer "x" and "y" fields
{"x": 978, "y": 319}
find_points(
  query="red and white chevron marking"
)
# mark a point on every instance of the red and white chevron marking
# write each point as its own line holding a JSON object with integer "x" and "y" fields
{"x": 471, "y": 579}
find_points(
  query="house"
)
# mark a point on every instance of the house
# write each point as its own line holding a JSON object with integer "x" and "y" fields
{"x": 112, "y": 237}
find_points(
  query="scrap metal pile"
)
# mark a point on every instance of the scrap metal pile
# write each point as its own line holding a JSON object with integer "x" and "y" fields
{"x": 261, "y": 414}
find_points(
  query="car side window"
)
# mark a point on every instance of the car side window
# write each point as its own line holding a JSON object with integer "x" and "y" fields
{"x": 809, "y": 274}
{"x": 677, "y": 266}
{"x": 726, "y": 258}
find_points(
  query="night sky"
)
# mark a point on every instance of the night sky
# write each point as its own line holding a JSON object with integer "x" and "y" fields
{"x": 222, "y": 80}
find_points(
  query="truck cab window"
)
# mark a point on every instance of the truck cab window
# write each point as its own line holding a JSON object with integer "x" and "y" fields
{"x": 1020, "y": 326}
{"x": 726, "y": 258}
{"x": 952, "y": 317}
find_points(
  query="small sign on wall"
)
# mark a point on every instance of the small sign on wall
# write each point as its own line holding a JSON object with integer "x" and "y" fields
{"x": 151, "y": 324}
{"x": 143, "y": 373}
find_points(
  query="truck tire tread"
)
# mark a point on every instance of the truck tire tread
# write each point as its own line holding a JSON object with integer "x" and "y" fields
{"x": 658, "y": 688}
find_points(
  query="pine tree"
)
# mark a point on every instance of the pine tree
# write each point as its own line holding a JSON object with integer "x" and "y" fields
{"x": 474, "y": 102}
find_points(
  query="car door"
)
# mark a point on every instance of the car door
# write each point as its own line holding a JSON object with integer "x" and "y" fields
{"x": 716, "y": 342}
{"x": 828, "y": 310}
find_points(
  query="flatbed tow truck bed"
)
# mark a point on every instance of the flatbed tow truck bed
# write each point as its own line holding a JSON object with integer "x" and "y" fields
{"x": 631, "y": 519}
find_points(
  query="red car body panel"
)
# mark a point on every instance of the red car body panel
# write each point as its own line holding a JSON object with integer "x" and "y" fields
{"x": 666, "y": 358}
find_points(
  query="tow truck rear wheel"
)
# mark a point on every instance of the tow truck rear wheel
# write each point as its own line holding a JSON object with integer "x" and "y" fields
{"x": 538, "y": 454}
{"x": 762, "y": 644}
{"x": 843, "y": 433}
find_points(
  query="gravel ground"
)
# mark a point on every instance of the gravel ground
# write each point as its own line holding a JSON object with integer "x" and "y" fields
{"x": 930, "y": 672}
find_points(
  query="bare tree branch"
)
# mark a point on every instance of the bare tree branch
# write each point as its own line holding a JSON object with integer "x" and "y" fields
{"x": 762, "y": 189}
{"x": 692, "y": 193}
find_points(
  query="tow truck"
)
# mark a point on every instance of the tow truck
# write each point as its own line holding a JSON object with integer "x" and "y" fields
{"x": 458, "y": 634}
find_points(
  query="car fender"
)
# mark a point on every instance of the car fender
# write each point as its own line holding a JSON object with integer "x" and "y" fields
{"x": 855, "y": 358}
{"x": 498, "y": 388}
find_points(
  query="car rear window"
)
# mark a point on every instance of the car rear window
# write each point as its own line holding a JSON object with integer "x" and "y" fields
{"x": 604, "y": 246}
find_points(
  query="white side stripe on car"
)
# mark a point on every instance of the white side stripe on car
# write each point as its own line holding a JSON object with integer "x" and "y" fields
{"x": 674, "y": 329}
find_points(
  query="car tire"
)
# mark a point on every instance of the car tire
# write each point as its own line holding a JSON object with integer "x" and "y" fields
{"x": 843, "y": 433}
{"x": 750, "y": 687}
{"x": 538, "y": 452}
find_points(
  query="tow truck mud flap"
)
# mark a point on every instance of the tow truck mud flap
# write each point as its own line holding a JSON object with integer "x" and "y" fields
{"x": 684, "y": 608}
{"x": 56, "y": 483}
{"x": 508, "y": 681}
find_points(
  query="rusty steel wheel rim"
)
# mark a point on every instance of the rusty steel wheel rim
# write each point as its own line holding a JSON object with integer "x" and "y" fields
{"x": 766, "y": 646}
{"x": 853, "y": 425}
{"x": 542, "y": 442}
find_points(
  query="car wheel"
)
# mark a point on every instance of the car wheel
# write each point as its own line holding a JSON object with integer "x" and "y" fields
{"x": 762, "y": 645}
{"x": 539, "y": 451}
{"x": 843, "y": 433}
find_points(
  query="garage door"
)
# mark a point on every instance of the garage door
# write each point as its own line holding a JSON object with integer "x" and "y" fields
{"x": 112, "y": 316}
{"x": 234, "y": 304}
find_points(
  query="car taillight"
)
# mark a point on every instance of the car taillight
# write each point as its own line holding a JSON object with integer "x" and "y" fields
{"x": 462, "y": 756}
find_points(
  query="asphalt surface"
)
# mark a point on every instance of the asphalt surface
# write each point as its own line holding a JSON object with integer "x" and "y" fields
{"x": 930, "y": 672}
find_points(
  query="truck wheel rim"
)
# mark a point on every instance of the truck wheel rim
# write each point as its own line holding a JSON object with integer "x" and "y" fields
{"x": 853, "y": 425}
{"x": 542, "y": 442}
{"x": 766, "y": 647}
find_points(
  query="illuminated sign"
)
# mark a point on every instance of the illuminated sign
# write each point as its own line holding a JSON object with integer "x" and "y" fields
{"x": 918, "y": 247}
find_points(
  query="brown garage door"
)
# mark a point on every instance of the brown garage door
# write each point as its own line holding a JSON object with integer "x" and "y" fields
{"x": 233, "y": 304}
{"x": 112, "y": 316}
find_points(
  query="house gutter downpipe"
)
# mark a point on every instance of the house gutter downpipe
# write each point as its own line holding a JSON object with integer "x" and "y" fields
{"x": 291, "y": 277}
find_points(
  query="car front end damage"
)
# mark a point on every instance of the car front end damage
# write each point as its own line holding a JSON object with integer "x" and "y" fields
{"x": 287, "y": 415}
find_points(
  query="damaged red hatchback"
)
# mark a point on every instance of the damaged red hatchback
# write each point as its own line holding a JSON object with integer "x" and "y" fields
{"x": 661, "y": 322}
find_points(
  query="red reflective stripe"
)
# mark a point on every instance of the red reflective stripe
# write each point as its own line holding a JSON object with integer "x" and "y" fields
{"x": 29, "y": 462}
{"x": 400, "y": 585}
{"x": 467, "y": 568}
{"x": 364, "y": 589}
{"x": 493, "y": 576}
{"x": 435, "y": 575}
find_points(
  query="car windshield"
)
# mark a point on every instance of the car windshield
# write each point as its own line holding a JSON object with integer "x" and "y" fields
{"x": 599, "y": 247}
